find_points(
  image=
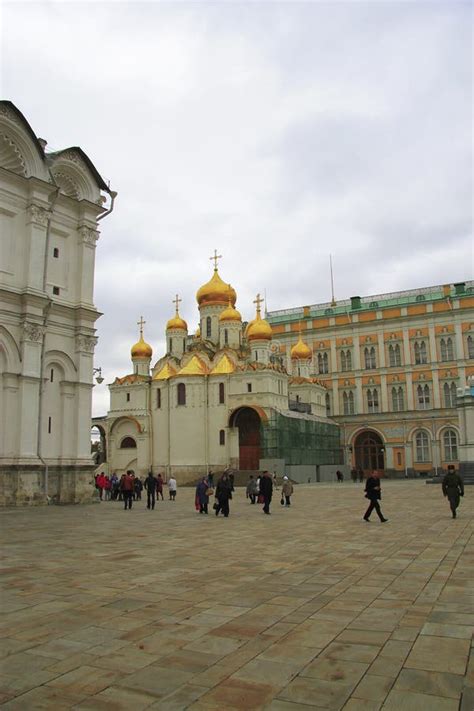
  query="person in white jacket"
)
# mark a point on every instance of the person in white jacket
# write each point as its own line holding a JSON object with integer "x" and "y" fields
{"x": 172, "y": 487}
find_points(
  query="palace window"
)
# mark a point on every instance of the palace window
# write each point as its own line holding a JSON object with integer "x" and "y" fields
{"x": 447, "y": 350}
{"x": 128, "y": 443}
{"x": 208, "y": 327}
{"x": 221, "y": 437}
{"x": 249, "y": 387}
{"x": 450, "y": 443}
{"x": 158, "y": 398}
{"x": 369, "y": 358}
{"x": 394, "y": 355}
{"x": 423, "y": 397}
{"x": 449, "y": 391}
{"x": 346, "y": 360}
{"x": 422, "y": 447}
{"x": 221, "y": 393}
{"x": 181, "y": 394}
{"x": 420, "y": 353}
{"x": 348, "y": 402}
{"x": 323, "y": 363}
{"x": 397, "y": 400}
{"x": 470, "y": 347}
{"x": 372, "y": 400}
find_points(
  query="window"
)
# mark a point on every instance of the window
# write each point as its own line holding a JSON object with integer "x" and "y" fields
{"x": 470, "y": 347}
{"x": 221, "y": 437}
{"x": 56, "y": 290}
{"x": 328, "y": 404}
{"x": 372, "y": 400}
{"x": 56, "y": 253}
{"x": 181, "y": 394}
{"x": 208, "y": 327}
{"x": 171, "y": 345}
{"x": 249, "y": 387}
{"x": 394, "y": 355}
{"x": 423, "y": 396}
{"x": 128, "y": 397}
{"x": 346, "y": 360}
{"x": 447, "y": 350}
{"x": 348, "y": 403}
{"x": 51, "y": 377}
{"x": 422, "y": 447}
{"x": 184, "y": 344}
{"x": 420, "y": 353}
{"x": 226, "y": 336}
{"x": 399, "y": 459}
{"x": 450, "y": 442}
{"x": 369, "y": 358}
{"x": 221, "y": 394}
{"x": 397, "y": 400}
{"x": 158, "y": 398}
{"x": 323, "y": 363}
{"x": 449, "y": 391}
{"x": 49, "y": 425}
{"x": 128, "y": 443}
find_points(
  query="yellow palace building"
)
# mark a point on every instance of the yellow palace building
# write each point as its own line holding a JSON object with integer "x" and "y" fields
{"x": 391, "y": 365}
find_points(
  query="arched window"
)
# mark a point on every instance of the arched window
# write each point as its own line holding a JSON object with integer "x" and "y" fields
{"x": 208, "y": 327}
{"x": 447, "y": 350}
{"x": 128, "y": 443}
{"x": 372, "y": 400}
{"x": 221, "y": 437}
{"x": 221, "y": 393}
{"x": 323, "y": 363}
{"x": 449, "y": 390}
{"x": 420, "y": 353}
{"x": 226, "y": 336}
{"x": 394, "y": 355}
{"x": 450, "y": 442}
{"x": 422, "y": 447}
{"x": 171, "y": 345}
{"x": 346, "y": 360}
{"x": 343, "y": 360}
{"x": 470, "y": 347}
{"x": 423, "y": 397}
{"x": 348, "y": 402}
{"x": 397, "y": 399}
{"x": 369, "y": 358}
{"x": 181, "y": 394}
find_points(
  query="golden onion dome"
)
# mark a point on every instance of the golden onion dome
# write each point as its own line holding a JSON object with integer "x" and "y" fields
{"x": 216, "y": 291}
{"x": 301, "y": 351}
{"x": 230, "y": 314}
{"x": 259, "y": 329}
{"x": 141, "y": 349}
{"x": 177, "y": 322}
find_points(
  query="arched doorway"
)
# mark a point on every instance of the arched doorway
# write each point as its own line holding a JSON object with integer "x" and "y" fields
{"x": 248, "y": 423}
{"x": 98, "y": 444}
{"x": 369, "y": 451}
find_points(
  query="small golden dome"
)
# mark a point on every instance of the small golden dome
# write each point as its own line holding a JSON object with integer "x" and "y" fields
{"x": 198, "y": 332}
{"x": 141, "y": 349}
{"x": 230, "y": 314}
{"x": 301, "y": 351}
{"x": 259, "y": 329}
{"x": 177, "y": 322}
{"x": 216, "y": 291}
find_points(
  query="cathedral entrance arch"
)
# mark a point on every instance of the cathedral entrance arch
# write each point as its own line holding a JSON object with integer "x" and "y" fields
{"x": 369, "y": 451}
{"x": 99, "y": 444}
{"x": 247, "y": 421}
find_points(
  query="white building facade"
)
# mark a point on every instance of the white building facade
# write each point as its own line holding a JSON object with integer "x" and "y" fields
{"x": 50, "y": 204}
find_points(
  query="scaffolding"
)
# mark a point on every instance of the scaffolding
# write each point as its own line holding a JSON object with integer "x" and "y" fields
{"x": 300, "y": 440}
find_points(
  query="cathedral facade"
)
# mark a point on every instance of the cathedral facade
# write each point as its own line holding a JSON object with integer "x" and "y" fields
{"x": 218, "y": 398}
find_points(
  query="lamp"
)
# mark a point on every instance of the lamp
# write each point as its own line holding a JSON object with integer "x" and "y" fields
{"x": 99, "y": 377}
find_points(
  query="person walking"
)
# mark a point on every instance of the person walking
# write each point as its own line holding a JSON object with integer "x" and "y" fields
{"x": 287, "y": 491}
{"x": 127, "y": 483}
{"x": 138, "y": 488}
{"x": 172, "y": 488}
{"x": 453, "y": 488}
{"x": 266, "y": 490}
{"x": 159, "y": 487}
{"x": 354, "y": 475}
{"x": 374, "y": 494}
{"x": 210, "y": 478}
{"x": 202, "y": 496}
{"x": 252, "y": 489}
{"x": 223, "y": 495}
{"x": 150, "y": 486}
{"x": 361, "y": 475}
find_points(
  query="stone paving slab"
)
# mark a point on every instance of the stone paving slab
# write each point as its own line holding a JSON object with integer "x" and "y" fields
{"x": 106, "y": 609}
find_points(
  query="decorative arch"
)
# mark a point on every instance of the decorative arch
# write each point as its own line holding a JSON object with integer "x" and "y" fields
{"x": 55, "y": 357}
{"x": 442, "y": 429}
{"x": 248, "y": 422}
{"x": 417, "y": 428}
{"x": 126, "y": 417}
{"x": 128, "y": 442}
{"x": 11, "y": 157}
{"x": 10, "y": 348}
{"x": 21, "y": 150}
{"x": 369, "y": 450}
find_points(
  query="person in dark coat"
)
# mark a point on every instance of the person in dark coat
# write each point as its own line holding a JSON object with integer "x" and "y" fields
{"x": 150, "y": 486}
{"x": 453, "y": 488}
{"x": 202, "y": 497}
{"x": 223, "y": 494}
{"x": 374, "y": 494}
{"x": 266, "y": 490}
{"x": 138, "y": 488}
{"x": 127, "y": 483}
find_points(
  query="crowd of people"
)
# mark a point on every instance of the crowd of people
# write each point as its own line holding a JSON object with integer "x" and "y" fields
{"x": 128, "y": 488}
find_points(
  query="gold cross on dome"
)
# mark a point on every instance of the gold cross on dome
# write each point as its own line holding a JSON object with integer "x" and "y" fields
{"x": 258, "y": 300}
{"x": 215, "y": 258}
{"x": 141, "y": 323}
{"x": 176, "y": 302}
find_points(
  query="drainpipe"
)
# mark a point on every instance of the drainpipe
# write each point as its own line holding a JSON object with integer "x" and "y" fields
{"x": 46, "y": 312}
{"x": 113, "y": 195}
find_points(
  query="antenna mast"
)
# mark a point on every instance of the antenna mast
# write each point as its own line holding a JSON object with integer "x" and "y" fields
{"x": 333, "y": 300}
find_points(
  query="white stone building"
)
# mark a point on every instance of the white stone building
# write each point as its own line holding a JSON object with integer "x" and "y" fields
{"x": 50, "y": 204}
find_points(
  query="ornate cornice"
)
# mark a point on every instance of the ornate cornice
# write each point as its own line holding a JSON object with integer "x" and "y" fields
{"x": 38, "y": 215}
{"x": 86, "y": 344}
{"x": 32, "y": 332}
{"x": 88, "y": 235}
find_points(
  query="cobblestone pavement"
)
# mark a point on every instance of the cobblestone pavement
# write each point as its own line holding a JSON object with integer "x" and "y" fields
{"x": 308, "y": 608}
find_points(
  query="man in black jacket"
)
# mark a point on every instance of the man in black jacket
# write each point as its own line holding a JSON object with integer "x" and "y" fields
{"x": 373, "y": 493}
{"x": 266, "y": 490}
{"x": 150, "y": 486}
{"x": 453, "y": 488}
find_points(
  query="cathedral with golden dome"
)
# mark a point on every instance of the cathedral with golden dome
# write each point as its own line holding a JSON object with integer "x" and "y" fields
{"x": 226, "y": 396}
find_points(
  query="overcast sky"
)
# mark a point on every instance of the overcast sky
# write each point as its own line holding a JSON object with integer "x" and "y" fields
{"x": 274, "y": 132}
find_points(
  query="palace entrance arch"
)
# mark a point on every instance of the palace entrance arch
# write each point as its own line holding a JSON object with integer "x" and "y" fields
{"x": 369, "y": 451}
{"x": 247, "y": 421}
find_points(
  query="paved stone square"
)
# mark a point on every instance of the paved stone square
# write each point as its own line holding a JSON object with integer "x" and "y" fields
{"x": 106, "y": 609}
